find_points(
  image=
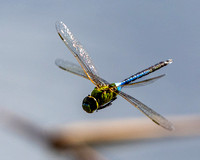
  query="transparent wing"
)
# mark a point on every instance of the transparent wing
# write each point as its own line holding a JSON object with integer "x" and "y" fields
{"x": 75, "y": 69}
{"x": 155, "y": 117}
{"x": 71, "y": 67}
{"x": 80, "y": 53}
{"x": 143, "y": 83}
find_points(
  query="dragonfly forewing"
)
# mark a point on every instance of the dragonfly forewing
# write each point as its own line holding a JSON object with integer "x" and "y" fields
{"x": 79, "y": 52}
{"x": 155, "y": 117}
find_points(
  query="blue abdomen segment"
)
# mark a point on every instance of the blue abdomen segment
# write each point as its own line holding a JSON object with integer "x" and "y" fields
{"x": 144, "y": 73}
{"x": 135, "y": 76}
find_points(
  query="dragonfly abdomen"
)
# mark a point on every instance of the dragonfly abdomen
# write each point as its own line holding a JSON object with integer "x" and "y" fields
{"x": 146, "y": 71}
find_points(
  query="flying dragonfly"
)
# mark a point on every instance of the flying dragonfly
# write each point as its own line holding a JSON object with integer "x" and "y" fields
{"x": 104, "y": 92}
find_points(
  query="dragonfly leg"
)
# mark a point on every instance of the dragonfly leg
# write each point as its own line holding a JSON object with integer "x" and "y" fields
{"x": 107, "y": 104}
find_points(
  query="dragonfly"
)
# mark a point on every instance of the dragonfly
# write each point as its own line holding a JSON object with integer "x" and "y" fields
{"x": 104, "y": 92}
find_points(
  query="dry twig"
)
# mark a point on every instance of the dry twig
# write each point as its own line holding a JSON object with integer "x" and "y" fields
{"x": 25, "y": 127}
{"x": 124, "y": 129}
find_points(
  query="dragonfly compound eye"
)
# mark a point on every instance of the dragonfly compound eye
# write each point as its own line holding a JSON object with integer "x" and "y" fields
{"x": 90, "y": 104}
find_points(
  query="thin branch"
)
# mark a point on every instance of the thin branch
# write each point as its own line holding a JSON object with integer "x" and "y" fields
{"x": 33, "y": 131}
{"x": 22, "y": 125}
{"x": 125, "y": 129}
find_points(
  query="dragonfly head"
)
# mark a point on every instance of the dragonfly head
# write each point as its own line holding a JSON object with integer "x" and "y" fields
{"x": 90, "y": 104}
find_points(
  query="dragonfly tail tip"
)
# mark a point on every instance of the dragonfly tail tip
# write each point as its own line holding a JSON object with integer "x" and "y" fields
{"x": 169, "y": 61}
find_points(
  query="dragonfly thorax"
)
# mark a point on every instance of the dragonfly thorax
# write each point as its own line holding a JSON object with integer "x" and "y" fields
{"x": 90, "y": 104}
{"x": 99, "y": 97}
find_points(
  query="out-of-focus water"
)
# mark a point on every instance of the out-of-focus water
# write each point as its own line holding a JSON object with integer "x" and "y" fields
{"x": 122, "y": 38}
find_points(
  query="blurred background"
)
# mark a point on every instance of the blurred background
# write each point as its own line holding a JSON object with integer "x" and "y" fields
{"x": 122, "y": 37}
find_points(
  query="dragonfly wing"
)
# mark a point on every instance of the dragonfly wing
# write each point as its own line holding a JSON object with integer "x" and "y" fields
{"x": 142, "y": 83}
{"x": 79, "y": 53}
{"x": 155, "y": 117}
{"x": 75, "y": 69}
{"x": 71, "y": 67}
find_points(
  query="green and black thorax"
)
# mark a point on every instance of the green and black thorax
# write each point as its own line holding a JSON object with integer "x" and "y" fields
{"x": 99, "y": 97}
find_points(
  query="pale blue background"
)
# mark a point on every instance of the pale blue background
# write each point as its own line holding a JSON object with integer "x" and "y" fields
{"x": 122, "y": 37}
